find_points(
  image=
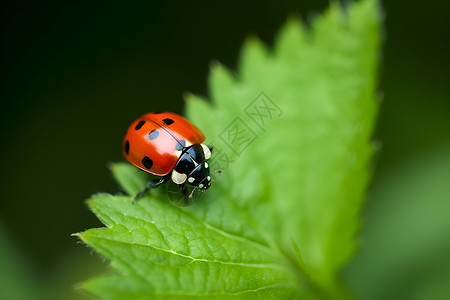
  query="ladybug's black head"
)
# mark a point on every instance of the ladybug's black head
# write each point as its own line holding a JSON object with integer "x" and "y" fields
{"x": 200, "y": 176}
{"x": 192, "y": 168}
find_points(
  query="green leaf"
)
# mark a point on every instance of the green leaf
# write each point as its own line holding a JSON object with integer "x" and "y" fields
{"x": 291, "y": 130}
{"x": 163, "y": 250}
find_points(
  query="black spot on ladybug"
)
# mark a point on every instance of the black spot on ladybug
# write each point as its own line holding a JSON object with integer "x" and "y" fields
{"x": 168, "y": 121}
{"x": 147, "y": 162}
{"x": 139, "y": 125}
{"x": 153, "y": 134}
{"x": 180, "y": 145}
{"x": 127, "y": 147}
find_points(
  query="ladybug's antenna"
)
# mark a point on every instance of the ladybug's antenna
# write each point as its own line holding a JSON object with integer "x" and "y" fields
{"x": 190, "y": 195}
{"x": 192, "y": 192}
{"x": 217, "y": 171}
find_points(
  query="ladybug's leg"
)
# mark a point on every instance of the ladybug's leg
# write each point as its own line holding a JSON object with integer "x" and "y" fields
{"x": 150, "y": 185}
{"x": 183, "y": 190}
{"x": 158, "y": 181}
{"x": 185, "y": 195}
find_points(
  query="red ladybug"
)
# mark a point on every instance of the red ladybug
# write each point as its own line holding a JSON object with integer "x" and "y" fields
{"x": 167, "y": 145}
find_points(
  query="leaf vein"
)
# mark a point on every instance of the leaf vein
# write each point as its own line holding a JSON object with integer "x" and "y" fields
{"x": 193, "y": 259}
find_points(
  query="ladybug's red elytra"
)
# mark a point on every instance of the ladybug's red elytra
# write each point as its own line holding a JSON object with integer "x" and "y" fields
{"x": 169, "y": 146}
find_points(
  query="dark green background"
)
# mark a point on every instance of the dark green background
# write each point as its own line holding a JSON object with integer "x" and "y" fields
{"x": 76, "y": 73}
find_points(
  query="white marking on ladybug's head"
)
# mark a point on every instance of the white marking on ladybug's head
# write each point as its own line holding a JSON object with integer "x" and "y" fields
{"x": 178, "y": 178}
{"x": 200, "y": 185}
{"x": 206, "y": 151}
{"x": 191, "y": 179}
{"x": 208, "y": 178}
{"x": 177, "y": 153}
{"x": 206, "y": 165}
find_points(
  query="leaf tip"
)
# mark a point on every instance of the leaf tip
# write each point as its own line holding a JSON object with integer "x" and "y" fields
{"x": 80, "y": 235}
{"x": 84, "y": 287}
{"x": 188, "y": 97}
{"x": 95, "y": 199}
{"x": 293, "y": 20}
{"x": 221, "y": 82}
{"x": 290, "y": 38}
{"x": 214, "y": 65}
{"x": 112, "y": 166}
{"x": 253, "y": 57}
{"x": 253, "y": 44}
{"x": 220, "y": 71}
{"x": 76, "y": 234}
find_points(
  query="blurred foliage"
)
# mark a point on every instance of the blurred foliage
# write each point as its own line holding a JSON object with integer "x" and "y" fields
{"x": 70, "y": 68}
{"x": 20, "y": 281}
{"x": 17, "y": 281}
{"x": 406, "y": 255}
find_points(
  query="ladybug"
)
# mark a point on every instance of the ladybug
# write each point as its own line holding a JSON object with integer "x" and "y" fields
{"x": 168, "y": 146}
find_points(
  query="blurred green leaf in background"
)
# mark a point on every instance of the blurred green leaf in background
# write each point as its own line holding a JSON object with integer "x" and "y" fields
{"x": 17, "y": 281}
{"x": 406, "y": 233}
